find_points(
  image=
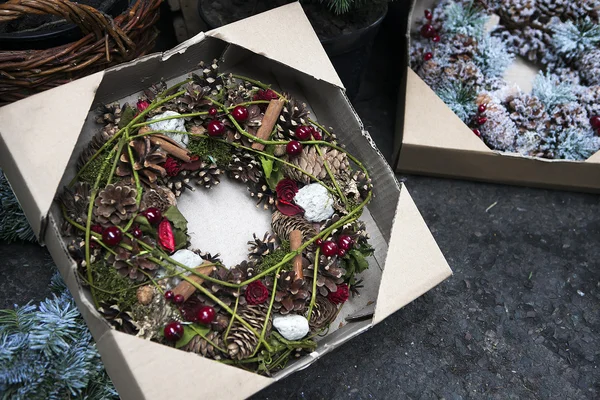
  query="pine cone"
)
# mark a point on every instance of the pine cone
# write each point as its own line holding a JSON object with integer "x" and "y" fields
{"x": 115, "y": 204}
{"x": 527, "y": 112}
{"x": 193, "y": 99}
{"x": 550, "y": 8}
{"x": 363, "y": 184}
{"x": 311, "y": 162}
{"x": 120, "y": 320}
{"x": 201, "y": 346}
{"x": 241, "y": 272}
{"x": 517, "y": 11}
{"x": 589, "y": 67}
{"x": 242, "y": 342}
{"x": 98, "y": 140}
{"x": 590, "y": 98}
{"x": 244, "y": 167}
{"x": 283, "y": 225}
{"x": 209, "y": 80}
{"x": 212, "y": 258}
{"x": 466, "y": 71}
{"x": 147, "y": 159}
{"x": 130, "y": 262}
{"x": 151, "y": 319}
{"x": 291, "y": 294}
{"x": 329, "y": 274}
{"x": 263, "y": 194}
{"x": 158, "y": 197}
{"x": 261, "y": 247}
{"x": 499, "y": 132}
{"x": 207, "y": 175}
{"x": 109, "y": 114}
{"x": 76, "y": 202}
{"x": 293, "y": 115}
{"x": 180, "y": 182}
{"x": 323, "y": 313}
{"x": 569, "y": 115}
{"x": 238, "y": 91}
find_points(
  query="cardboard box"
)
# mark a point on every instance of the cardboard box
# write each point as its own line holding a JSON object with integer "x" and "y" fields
{"x": 432, "y": 140}
{"x": 41, "y": 137}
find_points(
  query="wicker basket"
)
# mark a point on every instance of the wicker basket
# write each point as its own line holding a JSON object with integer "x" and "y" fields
{"x": 105, "y": 42}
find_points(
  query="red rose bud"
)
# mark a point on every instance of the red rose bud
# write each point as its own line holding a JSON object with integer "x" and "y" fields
{"x": 142, "y": 105}
{"x": 172, "y": 166}
{"x": 265, "y": 95}
{"x": 165, "y": 236}
{"x": 256, "y": 293}
{"x": 286, "y": 189}
{"x": 340, "y": 295}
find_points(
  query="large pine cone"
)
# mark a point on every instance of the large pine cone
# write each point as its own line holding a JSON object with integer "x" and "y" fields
{"x": 115, "y": 204}
{"x": 311, "y": 162}
{"x": 283, "y": 225}
{"x": 527, "y": 112}
{"x": 201, "y": 346}
{"x": 242, "y": 342}
{"x": 291, "y": 295}
{"x": 329, "y": 274}
{"x": 146, "y": 160}
{"x": 323, "y": 313}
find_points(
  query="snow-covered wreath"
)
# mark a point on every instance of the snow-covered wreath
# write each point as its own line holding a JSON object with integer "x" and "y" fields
{"x": 131, "y": 240}
{"x": 463, "y": 60}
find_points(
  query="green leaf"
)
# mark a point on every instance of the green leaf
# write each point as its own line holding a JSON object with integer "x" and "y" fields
{"x": 276, "y": 176}
{"x": 361, "y": 263}
{"x": 181, "y": 239}
{"x": 267, "y": 164}
{"x": 174, "y": 215}
{"x": 189, "y": 332}
{"x": 144, "y": 224}
{"x": 127, "y": 115}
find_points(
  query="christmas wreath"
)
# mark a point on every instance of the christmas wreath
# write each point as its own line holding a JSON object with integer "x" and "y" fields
{"x": 130, "y": 240}
{"x": 463, "y": 60}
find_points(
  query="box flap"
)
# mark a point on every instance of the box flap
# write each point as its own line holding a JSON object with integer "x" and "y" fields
{"x": 445, "y": 130}
{"x": 411, "y": 244}
{"x": 46, "y": 123}
{"x": 152, "y": 364}
{"x": 291, "y": 39}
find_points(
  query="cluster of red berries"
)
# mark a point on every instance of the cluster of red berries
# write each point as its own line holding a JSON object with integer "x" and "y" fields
{"x": 173, "y": 331}
{"x": 113, "y": 235}
{"x": 595, "y": 122}
{"x": 303, "y": 132}
{"x": 217, "y": 128}
{"x": 331, "y": 248}
{"x": 481, "y": 118}
{"x": 429, "y": 32}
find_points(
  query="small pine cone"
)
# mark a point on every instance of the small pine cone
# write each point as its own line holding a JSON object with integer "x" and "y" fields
{"x": 467, "y": 72}
{"x": 241, "y": 272}
{"x": 527, "y": 112}
{"x": 569, "y": 115}
{"x": 517, "y": 11}
{"x": 120, "y": 320}
{"x": 179, "y": 183}
{"x": 292, "y": 295}
{"x": 237, "y": 91}
{"x": 212, "y": 258}
{"x": 244, "y": 167}
{"x": 263, "y": 194}
{"x": 158, "y": 197}
{"x": 590, "y": 99}
{"x": 147, "y": 160}
{"x": 201, "y": 346}
{"x": 208, "y": 78}
{"x": 363, "y": 184}
{"x": 109, "y": 114}
{"x": 283, "y": 225}
{"x": 98, "y": 140}
{"x": 259, "y": 248}
{"x": 499, "y": 131}
{"x": 115, "y": 204}
{"x": 311, "y": 162}
{"x": 323, "y": 313}
{"x": 589, "y": 67}
{"x": 293, "y": 115}
{"x": 207, "y": 175}
{"x": 131, "y": 263}
{"x": 75, "y": 202}
{"x": 550, "y": 8}
{"x": 193, "y": 99}
{"x": 242, "y": 342}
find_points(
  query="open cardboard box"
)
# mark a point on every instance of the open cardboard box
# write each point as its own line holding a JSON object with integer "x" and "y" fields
{"x": 43, "y": 134}
{"x": 432, "y": 140}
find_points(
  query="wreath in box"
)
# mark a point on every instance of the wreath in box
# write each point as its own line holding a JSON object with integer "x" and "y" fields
{"x": 130, "y": 241}
{"x": 464, "y": 61}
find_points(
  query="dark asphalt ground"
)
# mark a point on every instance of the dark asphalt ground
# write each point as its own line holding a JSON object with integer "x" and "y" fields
{"x": 520, "y": 318}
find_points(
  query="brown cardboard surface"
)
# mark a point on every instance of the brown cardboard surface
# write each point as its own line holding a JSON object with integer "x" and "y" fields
{"x": 446, "y": 147}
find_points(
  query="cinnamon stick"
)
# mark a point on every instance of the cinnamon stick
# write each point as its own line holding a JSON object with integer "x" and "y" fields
{"x": 185, "y": 288}
{"x": 268, "y": 122}
{"x": 295, "y": 243}
{"x": 170, "y": 148}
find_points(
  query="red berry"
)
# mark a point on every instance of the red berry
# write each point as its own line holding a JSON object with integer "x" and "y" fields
{"x": 178, "y": 299}
{"x": 112, "y": 236}
{"x": 206, "y": 315}
{"x": 136, "y": 231}
{"x": 142, "y": 105}
{"x": 477, "y": 132}
{"x": 436, "y": 38}
{"x": 341, "y": 252}
{"x": 428, "y": 31}
{"x": 329, "y": 248}
{"x": 595, "y": 121}
{"x": 427, "y": 56}
{"x": 303, "y": 132}
{"x": 153, "y": 215}
{"x": 169, "y": 295}
{"x": 481, "y": 108}
{"x": 213, "y": 111}
{"x": 428, "y": 15}
{"x": 240, "y": 113}
{"x": 481, "y": 120}
{"x": 345, "y": 242}
{"x": 293, "y": 148}
{"x": 319, "y": 241}
{"x": 215, "y": 128}
{"x": 316, "y": 134}
{"x": 173, "y": 331}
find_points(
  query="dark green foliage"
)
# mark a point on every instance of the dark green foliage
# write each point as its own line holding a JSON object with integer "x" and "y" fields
{"x": 355, "y": 261}
{"x": 211, "y": 150}
{"x": 276, "y": 257}
{"x": 91, "y": 172}
{"x": 112, "y": 287}
{"x": 13, "y": 224}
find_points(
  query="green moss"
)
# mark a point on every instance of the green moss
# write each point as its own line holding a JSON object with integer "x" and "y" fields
{"x": 91, "y": 172}
{"x": 276, "y": 257}
{"x": 116, "y": 289}
{"x": 211, "y": 150}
